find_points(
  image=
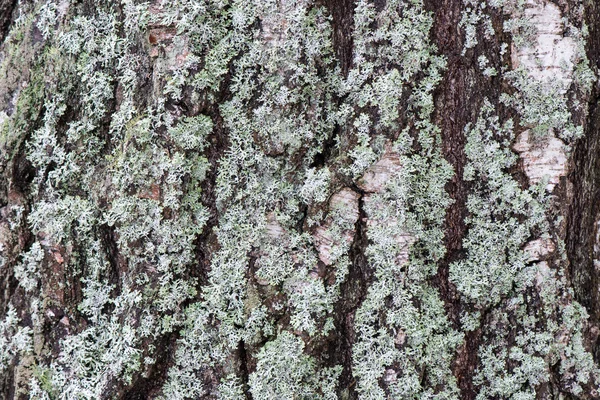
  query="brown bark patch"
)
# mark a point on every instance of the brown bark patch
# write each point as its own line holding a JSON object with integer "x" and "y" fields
{"x": 342, "y": 12}
{"x": 584, "y": 209}
{"x": 6, "y": 11}
{"x": 458, "y": 101}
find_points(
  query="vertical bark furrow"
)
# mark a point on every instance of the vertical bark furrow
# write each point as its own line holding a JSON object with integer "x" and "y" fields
{"x": 583, "y": 215}
{"x": 584, "y": 211}
{"x": 458, "y": 102}
{"x": 342, "y": 12}
{"x": 6, "y": 14}
{"x": 352, "y": 294}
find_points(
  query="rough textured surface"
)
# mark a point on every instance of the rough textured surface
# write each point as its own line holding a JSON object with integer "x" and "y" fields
{"x": 299, "y": 199}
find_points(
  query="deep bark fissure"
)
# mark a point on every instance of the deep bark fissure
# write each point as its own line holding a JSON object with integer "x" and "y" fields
{"x": 352, "y": 294}
{"x": 145, "y": 387}
{"x": 206, "y": 241}
{"x": 22, "y": 175}
{"x": 583, "y": 211}
{"x": 453, "y": 107}
{"x": 244, "y": 372}
{"x": 458, "y": 102}
{"x": 6, "y": 11}
{"x": 109, "y": 241}
{"x": 342, "y": 12}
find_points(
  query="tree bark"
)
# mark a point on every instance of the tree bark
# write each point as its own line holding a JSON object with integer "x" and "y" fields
{"x": 299, "y": 199}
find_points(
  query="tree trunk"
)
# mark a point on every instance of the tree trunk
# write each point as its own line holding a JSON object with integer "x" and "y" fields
{"x": 299, "y": 199}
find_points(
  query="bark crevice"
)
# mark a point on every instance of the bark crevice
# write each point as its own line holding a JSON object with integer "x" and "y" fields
{"x": 583, "y": 212}
{"x": 342, "y": 12}
{"x": 352, "y": 294}
{"x": 458, "y": 102}
{"x": 6, "y": 11}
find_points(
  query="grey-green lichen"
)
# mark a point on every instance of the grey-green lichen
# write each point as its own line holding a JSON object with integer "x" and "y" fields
{"x": 402, "y": 330}
{"x": 284, "y": 371}
{"x": 504, "y": 270}
{"x": 152, "y": 127}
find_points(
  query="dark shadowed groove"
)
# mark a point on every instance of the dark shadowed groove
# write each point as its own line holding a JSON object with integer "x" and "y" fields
{"x": 584, "y": 208}
{"x": 342, "y": 12}
{"x": 148, "y": 387}
{"x": 354, "y": 288}
{"x": 583, "y": 213}
{"x": 108, "y": 237}
{"x": 244, "y": 371}
{"x": 206, "y": 242}
{"x": 7, "y": 383}
{"x": 453, "y": 112}
{"x": 6, "y": 11}
{"x": 458, "y": 100}
{"x": 352, "y": 294}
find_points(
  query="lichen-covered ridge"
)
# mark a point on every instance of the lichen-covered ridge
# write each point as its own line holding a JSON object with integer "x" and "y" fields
{"x": 295, "y": 199}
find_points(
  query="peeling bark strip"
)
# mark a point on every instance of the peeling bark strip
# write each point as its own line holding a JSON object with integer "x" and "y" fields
{"x": 345, "y": 204}
{"x": 299, "y": 199}
{"x": 551, "y": 54}
{"x": 543, "y": 159}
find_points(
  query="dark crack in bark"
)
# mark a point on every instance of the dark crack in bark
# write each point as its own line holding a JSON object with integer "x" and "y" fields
{"x": 342, "y": 12}
{"x": 458, "y": 102}
{"x": 352, "y": 294}
{"x": 584, "y": 210}
{"x": 7, "y": 8}
{"x": 244, "y": 372}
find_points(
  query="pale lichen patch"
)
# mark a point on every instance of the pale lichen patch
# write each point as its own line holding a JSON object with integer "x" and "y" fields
{"x": 274, "y": 23}
{"x": 378, "y": 221}
{"x": 374, "y": 181}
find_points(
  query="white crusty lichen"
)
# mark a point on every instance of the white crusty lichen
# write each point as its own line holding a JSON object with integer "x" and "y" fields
{"x": 546, "y": 62}
{"x": 506, "y": 259}
{"x": 260, "y": 250}
{"x": 207, "y": 175}
{"x": 496, "y": 233}
{"x": 15, "y": 339}
{"x": 284, "y": 371}
{"x": 82, "y": 193}
{"x": 402, "y": 329}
